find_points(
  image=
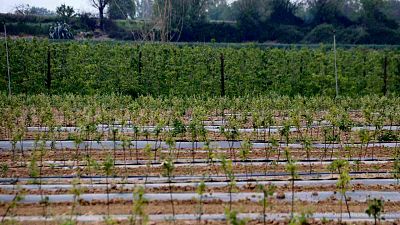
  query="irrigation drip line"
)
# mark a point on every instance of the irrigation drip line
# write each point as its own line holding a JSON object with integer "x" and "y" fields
{"x": 156, "y": 163}
{"x": 210, "y": 184}
{"x": 358, "y": 196}
{"x": 199, "y": 164}
{"x": 214, "y": 128}
{"x": 355, "y": 217}
{"x": 175, "y": 179}
{"x": 58, "y": 145}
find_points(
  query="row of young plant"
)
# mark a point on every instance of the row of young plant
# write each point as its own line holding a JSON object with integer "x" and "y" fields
{"x": 179, "y": 119}
{"x": 40, "y": 66}
{"x": 67, "y": 110}
{"x": 139, "y": 215}
{"x": 20, "y": 161}
{"x": 316, "y": 118}
{"x": 188, "y": 124}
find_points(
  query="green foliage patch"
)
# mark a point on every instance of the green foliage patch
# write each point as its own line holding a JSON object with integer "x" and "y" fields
{"x": 174, "y": 70}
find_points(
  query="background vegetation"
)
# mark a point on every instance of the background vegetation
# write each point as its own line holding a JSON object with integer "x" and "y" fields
{"x": 282, "y": 21}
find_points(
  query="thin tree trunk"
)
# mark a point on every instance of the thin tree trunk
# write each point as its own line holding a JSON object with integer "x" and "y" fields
{"x": 101, "y": 15}
{"x": 347, "y": 205}
{"x": 108, "y": 197}
{"x": 172, "y": 200}
{"x": 264, "y": 210}
{"x": 292, "y": 205}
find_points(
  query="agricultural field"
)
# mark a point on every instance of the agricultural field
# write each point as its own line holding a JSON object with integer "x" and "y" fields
{"x": 265, "y": 159}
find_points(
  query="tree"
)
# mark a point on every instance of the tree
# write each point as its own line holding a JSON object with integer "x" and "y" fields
{"x": 267, "y": 192}
{"x": 168, "y": 166}
{"x": 26, "y": 9}
{"x": 108, "y": 168}
{"x": 100, "y": 5}
{"x": 171, "y": 16}
{"x": 196, "y": 11}
{"x": 375, "y": 209}
{"x": 65, "y": 12}
{"x": 327, "y": 11}
{"x": 396, "y": 169}
{"x": 200, "y": 191}
{"x": 167, "y": 18}
{"x": 343, "y": 183}
{"x": 219, "y": 10}
{"x": 283, "y": 11}
{"x": 231, "y": 217}
{"x": 372, "y": 15}
{"x": 251, "y": 16}
{"x": 87, "y": 21}
{"x": 351, "y": 9}
{"x": 144, "y": 8}
{"x": 122, "y": 9}
{"x": 138, "y": 214}
{"x": 12, "y": 206}
{"x": 291, "y": 168}
{"x": 392, "y": 9}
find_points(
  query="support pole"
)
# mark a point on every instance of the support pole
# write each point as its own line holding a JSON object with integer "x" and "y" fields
{"x": 336, "y": 72}
{"x": 8, "y": 61}
{"x": 140, "y": 64}
{"x": 48, "y": 80}
{"x": 222, "y": 75}
{"x": 385, "y": 76}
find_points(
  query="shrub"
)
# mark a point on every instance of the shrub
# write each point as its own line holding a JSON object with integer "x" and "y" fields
{"x": 320, "y": 34}
{"x": 60, "y": 31}
{"x": 287, "y": 34}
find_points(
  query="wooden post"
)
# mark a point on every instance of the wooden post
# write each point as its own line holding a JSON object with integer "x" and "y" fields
{"x": 8, "y": 61}
{"x": 48, "y": 80}
{"x": 397, "y": 83}
{"x": 140, "y": 64}
{"x": 385, "y": 76}
{"x": 222, "y": 75}
{"x": 301, "y": 67}
{"x": 140, "y": 79}
{"x": 364, "y": 70}
{"x": 336, "y": 72}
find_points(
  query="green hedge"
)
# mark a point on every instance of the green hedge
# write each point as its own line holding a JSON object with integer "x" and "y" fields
{"x": 179, "y": 70}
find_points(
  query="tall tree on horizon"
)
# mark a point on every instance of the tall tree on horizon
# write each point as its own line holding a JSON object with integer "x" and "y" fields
{"x": 26, "y": 9}
{"x": 144, "y": 8}
{"x": 172, "y": 15}
{"x": 327, "y": 11}
{"x": 284, "y": 11}
{"x": 122, "y": 9}
{"x": 251, "y": 16}
{"x": 65, "y": 12}
{"x": 372, "y": 15}
{"x": 219, "y": 10}
{"x": 100, "y": 5}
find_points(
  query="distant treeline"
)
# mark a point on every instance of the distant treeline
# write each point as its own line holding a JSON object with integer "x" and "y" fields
{"x": 279, "y": 21}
